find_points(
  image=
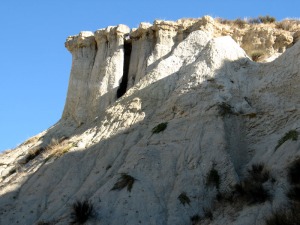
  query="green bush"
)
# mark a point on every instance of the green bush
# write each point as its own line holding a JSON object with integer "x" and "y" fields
{"x": 291, "y": 135}
{"x": 124, "y": 181}
{"x": 159, "y": 128}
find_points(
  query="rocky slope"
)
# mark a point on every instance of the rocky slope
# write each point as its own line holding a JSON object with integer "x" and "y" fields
{"x": 181, "y": 113}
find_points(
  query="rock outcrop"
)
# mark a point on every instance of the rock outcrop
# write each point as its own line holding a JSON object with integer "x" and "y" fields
{"x": 102, "y": 59}
{"x": 177, "y": 109}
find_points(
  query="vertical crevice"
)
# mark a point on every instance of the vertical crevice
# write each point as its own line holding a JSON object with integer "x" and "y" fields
{"x": 127, "y": 52}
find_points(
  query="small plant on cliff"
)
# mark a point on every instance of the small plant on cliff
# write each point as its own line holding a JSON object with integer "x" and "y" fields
{"x": 291, "y": 135}
{"x": 124, "y": 181}
{"x": 184, "y": 199}
{"x": 81, "y": 212}
{"x": 159, "y": 128}
{"x": 213, "y": 178}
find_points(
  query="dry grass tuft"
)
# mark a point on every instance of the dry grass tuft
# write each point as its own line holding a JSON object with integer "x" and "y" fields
{"x": 58, "y": 148}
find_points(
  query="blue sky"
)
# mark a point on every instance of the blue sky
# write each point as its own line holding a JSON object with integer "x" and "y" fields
{"x": 35, "y": 66}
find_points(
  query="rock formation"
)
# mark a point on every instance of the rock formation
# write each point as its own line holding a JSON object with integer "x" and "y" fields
{"x": 180, "y": 113}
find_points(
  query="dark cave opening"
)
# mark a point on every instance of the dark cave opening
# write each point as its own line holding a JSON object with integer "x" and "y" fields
{"x": 127, "y": 52}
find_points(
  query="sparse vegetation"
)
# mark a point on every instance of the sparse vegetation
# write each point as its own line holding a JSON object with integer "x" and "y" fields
{"x": 252, "y": 189}
{"x": 55, "y": 149}
{"x": 58, "y": 148}
{"x": 184, "y": 199}
{"x": 267, "y": 19}
{"x": 81, "y": 212}
{"x": 294, "y": 172}
{"x": 254, "y": 20}
{"x": 124, "y": 181}
{"x": 288, "y": 24}
{"x": 291, "y": 135}
{"x": 240, "y": 23}
{"x": 159, "y": 128}
{"x": 213, "y": 178}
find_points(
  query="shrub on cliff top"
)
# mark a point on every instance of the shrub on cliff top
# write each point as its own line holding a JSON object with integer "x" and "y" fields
{"x": 267, "y": 19}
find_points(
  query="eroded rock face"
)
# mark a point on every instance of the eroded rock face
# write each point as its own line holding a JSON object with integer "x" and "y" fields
{"x": 100, "y": 63}
{"x": 194, "y": 102}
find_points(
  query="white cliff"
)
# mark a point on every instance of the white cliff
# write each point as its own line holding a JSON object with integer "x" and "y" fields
{"x": 219, "y": 110}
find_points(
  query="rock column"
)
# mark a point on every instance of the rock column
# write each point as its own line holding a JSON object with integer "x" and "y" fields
{"x": 83, "y": 50}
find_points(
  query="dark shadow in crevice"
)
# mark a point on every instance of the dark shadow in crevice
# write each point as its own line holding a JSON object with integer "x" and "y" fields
{"x": 123, "y": 85}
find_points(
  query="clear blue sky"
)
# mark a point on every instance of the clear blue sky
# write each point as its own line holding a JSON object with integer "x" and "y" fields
{"x": 35, "y": 66}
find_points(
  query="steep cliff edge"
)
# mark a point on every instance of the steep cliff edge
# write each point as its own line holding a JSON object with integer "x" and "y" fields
{"x": 168, "y": 105}
{"x": 102, "y": 59}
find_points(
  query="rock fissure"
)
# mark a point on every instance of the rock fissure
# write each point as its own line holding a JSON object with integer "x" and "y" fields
{"x": 127, "y": 54}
